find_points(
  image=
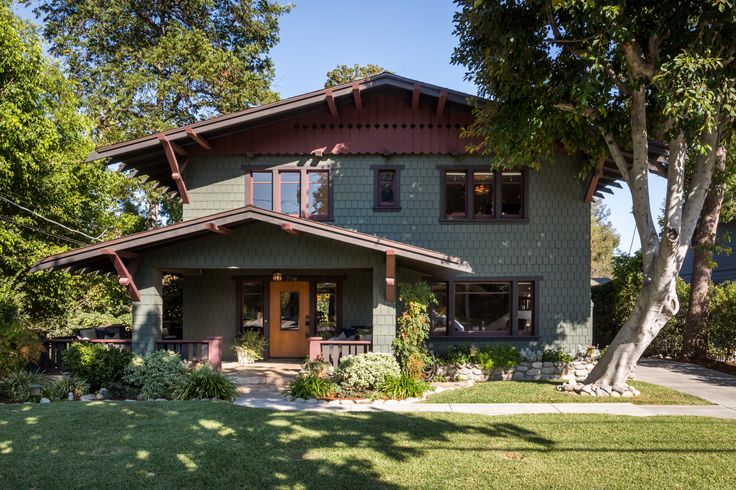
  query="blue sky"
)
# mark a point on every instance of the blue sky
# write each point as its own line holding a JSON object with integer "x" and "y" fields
{"x": 412, "y": 38}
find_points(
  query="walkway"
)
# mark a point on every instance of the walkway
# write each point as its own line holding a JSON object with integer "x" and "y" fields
{"x": 714, "y": 386}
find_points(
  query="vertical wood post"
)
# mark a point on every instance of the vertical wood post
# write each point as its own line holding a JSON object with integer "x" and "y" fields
{"x": 390, "y": 275}
{"x": 214, "y": 352}
{"x": 315, "y": 347}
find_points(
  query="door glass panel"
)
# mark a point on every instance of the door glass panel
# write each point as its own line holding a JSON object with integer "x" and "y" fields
{"x": 326, "y": 309}
{"x": 289, "y": 310}
{"x": 253, "y": 306}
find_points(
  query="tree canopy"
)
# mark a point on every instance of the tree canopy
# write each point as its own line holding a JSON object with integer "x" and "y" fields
{"x": 149, "y": 66}
{"x": 603, "y": 241}
{"x": 603, "y": 80}
{"x": 49, "y": 200}
{"x": 344, "y": 73}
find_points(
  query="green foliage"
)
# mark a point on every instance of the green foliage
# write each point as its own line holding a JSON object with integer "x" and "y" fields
{"x": 176, "y": 63}
{"x": 204, "y": 383}
{"x": 603, "y": 241}
{"x": 410, "y": 344}
{"x": 16, "y": 384}
{"x": 252, "y": 342}
{"x": 59, "y": 389}
{"x": 404, "y": 387}
{"x": 18, "y": 345}
{"x": 345, "y": 74}
{"x": 99, "y": 364}
{"x": 722, "y": 321}
{"x": 557, "y": 354}
{"x": 501, "y": 356}
{"x": 157, "y": 374}
{"x": 172, "y": 298}
{"x": 456, "y": 354}
{"x": 366, "y": 372}
{"x": 311, "y": 385}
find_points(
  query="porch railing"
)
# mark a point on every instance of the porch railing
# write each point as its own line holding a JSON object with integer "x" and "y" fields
{"x": 194, "y": 351}
{"x": 334, "y": 350}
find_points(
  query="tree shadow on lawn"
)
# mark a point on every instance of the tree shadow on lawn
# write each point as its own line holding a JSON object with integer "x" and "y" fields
{"x": 157, "y": 444}
{"x": 188, "y": 444}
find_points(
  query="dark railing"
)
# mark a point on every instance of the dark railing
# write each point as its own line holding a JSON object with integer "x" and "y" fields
{"x": 193, "y": 351}
{"x": 334, "y": 350}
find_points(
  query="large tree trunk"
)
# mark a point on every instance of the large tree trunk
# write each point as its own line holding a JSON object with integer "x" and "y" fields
{"x": 695, "y": 339}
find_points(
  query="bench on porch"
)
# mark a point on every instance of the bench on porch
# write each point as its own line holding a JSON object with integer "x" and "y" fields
{"x": 194, "y": 351}
{"x": 333, "y": 350}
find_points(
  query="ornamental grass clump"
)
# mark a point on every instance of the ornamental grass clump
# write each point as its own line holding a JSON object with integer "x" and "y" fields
{"x": 311, "y": 385}
{"x": 157, "y": 374}
{"x": 204, "y": 382}
{"x": 16, "y": 385}
{"x": 404, "y": 386}
{"x": 366, "y": 372}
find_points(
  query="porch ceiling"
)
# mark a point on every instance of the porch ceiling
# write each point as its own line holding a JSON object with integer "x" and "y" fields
{"x": 97, "y": 258}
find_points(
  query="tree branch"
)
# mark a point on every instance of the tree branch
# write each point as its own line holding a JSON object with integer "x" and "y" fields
{"x": 635, "y": 62}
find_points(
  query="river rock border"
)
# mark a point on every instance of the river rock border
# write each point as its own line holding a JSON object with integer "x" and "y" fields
{"x": 524, "y": 371}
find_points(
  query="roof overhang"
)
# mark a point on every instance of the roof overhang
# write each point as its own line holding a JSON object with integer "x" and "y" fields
{"x": 96, "y": 258}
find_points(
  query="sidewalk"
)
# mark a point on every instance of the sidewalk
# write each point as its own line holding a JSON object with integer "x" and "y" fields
{"x": 278, "y": 403}
{"x": 714, "y": 386}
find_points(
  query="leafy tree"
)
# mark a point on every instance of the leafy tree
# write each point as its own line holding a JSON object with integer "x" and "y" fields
{"x": 603, "y": 241}
{"x": 718, "y": 205}
{"x": 345, "y": 74}
{"x": 604, "y": 80}
{"x": 49, "y": 201}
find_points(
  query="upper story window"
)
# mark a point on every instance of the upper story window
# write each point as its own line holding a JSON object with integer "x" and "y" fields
{"x": 299, "y": 192}
{"x": 479, "y": 194}
{"x": 386, "y": 187}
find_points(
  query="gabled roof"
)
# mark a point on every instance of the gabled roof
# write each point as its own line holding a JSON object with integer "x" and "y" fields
{"x": 97, "y": 257}
{"x": 226, "y": 123}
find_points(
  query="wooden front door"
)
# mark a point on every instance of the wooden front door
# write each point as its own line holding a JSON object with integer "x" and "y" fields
{"x": 288, "y": 314}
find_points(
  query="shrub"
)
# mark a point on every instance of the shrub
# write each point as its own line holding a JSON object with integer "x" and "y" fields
{"x": 404, "y": 387}
{"x": 498, "y": 356}
{"x": 252, "y": 343}
{"x": 366, "y": 372}
{"x": 722, "y": 321}
{"x": 410, "y": 345}
{"x": 99, "y": 364}
{"x": 557, "y": 354}
{"x": 311, "y": 385}
{"x": 19, "y": 346}
{"x": 59, "y": 389}
{"x": 156, "y": 373}
{"x": 16, "y": 385}
{"x": 456, "y": 355}
{"x": 205, "y": 382}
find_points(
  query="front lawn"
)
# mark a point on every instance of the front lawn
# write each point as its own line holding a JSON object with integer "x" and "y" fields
{"x": 545, "y": 392}
{"x": 219, "y": 445}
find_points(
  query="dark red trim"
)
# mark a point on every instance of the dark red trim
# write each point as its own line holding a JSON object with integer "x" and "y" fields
{"x": 415, "y": 92}
{"x": 330, "y": 98}
{"x": 126, "y": 278}
{"x": 198, "y": 139}
{"x": 176, "y": 173}
{"x": 356, "y": 97}
{"x": 441, "y": 102}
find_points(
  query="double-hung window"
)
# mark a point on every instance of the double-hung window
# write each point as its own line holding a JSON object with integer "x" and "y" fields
{"x": 482, "y": 195}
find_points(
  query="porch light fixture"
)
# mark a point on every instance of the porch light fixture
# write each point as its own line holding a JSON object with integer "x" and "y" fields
{"x": 277, "y": 276}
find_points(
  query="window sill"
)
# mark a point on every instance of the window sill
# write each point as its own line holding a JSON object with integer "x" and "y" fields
{"x": 449, "y": 221}
{"x": 485, "y": 338}
{"x": 386, "y": 210}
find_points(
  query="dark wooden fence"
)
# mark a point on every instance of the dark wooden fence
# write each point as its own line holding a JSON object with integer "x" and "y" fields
{"x": 334, "y": 350}
{"x": 194, "y": 351}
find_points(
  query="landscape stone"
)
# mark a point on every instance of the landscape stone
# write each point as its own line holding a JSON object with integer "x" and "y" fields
{"x": 70, "y": 396}
{"x": 548, "y": 370}
{"x": 87, "y": 398}
{"x": 620, "y": 388}
{"x": 537, "y": 365}
{"x": 627, "y": 394}
{"x": 534, "y": 372}
{"x": 521, "y": 368}
{"x": 547, "y": 364}
{"x": 615, "y": 394}
{"x": 44, "y": 400}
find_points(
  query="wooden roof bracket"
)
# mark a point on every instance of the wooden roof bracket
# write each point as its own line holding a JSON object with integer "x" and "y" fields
{"x": 198, "y": 139}
{"x": 171, "y": 149}
{"x": 415, "y": 97}
{"x": 330, "y": 98}
{"x": 289, "y": 228}
{"x": 356, "y": 97}
{"x": 215, "y": 228}
{"x": 441, "y": 102}
{"x": 125, "y": 275}
{"x": 593, "y": 183}
{"x": 390, "y": 275}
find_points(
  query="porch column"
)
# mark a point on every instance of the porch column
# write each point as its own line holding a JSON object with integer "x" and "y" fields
{"x": 148, "y": 312}
{"x": 384, "y": 311}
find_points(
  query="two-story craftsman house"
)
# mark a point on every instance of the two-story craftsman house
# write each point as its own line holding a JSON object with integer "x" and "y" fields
{"x": 301, "y": 218}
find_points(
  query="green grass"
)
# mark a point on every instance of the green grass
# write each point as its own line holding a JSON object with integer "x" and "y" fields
{"x": 218, "y": 445}
{"x": 545, "y": 392}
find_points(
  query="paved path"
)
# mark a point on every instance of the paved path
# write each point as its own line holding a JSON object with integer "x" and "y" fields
{"x": 716, "y": 387}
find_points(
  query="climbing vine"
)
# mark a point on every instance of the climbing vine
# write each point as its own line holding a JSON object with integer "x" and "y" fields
{"x": 410, "y": 345}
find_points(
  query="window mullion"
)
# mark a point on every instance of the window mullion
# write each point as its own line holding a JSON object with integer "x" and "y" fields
{"x": 450, "y": 309}
{"x": 276, "y": 190}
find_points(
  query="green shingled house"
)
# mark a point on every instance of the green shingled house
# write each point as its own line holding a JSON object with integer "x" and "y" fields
{"x": 301, "y": 218}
